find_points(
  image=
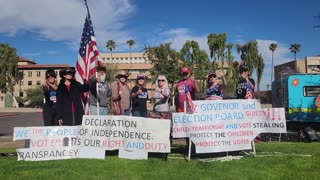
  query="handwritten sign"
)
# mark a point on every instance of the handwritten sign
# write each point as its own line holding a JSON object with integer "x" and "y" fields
{"x": 227, "y": 125}
{"x": 93, "y": 137}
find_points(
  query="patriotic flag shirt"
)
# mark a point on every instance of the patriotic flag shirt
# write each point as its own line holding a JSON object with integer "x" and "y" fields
{"x": 214, "y": 94}
{"x": 185, "y": 88}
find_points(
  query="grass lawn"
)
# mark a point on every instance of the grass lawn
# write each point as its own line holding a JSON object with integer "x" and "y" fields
{"x": 285, "y": 160}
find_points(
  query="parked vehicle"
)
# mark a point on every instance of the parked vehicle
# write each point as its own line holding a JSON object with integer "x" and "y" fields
{"x": 297, "y": 94}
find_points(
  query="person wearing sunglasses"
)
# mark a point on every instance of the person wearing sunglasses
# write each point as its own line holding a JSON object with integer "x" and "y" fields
{"x": 214, "y": 89}
{"x": 139, "y": 95}
{"x": 69, "y": 104}
{"x": 161, "y": 95}
{"x": 49, "y": 88}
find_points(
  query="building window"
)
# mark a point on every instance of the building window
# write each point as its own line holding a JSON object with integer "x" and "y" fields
{"x": 38, "y": 73}
{"x": 29, "y": 83}
{"x": 30, "y": 74}
{"x": 21, "y": 94}
{"x": 38, "y": 83}
{"x": 1, "y": 98}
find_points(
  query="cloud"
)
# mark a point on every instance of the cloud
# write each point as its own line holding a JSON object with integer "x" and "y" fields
{"x": 280, "y": 54}
{"x": 177, "y": 37}
{"x": 61, "y": 20}
{"x": 30, "y": 54}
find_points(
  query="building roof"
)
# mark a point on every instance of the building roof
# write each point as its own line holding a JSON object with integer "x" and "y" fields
{"x": 21, "y": 59}
{"x": 43, "y": 66}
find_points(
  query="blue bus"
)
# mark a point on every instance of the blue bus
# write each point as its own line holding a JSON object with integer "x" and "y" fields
{"x": 297, "y": 94}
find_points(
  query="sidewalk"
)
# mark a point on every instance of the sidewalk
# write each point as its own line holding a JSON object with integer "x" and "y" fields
{"x": 12, "y": 110}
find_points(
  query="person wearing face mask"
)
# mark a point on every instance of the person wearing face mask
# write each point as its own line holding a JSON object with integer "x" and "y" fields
{"x": 99, "y": 92}
{"x": 49, "y": 88}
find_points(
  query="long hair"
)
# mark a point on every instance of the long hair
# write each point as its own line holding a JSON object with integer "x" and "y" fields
{"x": 162, "y": 77}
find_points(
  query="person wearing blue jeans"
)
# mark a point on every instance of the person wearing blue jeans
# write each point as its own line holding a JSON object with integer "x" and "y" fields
{"x": 99, "y": 92}
{"x": 139, "y": 95}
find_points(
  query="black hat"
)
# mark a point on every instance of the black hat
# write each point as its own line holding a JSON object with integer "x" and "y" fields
{"x": 50, "y": 72}
{"x": 243, "y": 68}
{"x": 67, "y": 70}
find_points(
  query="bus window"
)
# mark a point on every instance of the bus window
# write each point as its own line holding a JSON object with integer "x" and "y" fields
{"x": 310, "y": 91}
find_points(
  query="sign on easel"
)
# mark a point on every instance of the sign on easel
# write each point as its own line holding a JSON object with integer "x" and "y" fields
{"x": 93, "y": 137}
{"x": 227, "y": 125}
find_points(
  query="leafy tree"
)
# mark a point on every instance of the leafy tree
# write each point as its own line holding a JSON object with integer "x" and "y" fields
{"x": 272, "y": 48}
{"x": 232, "y": 74}
{"x": 259, "y": 72}
{"x": 130, "y": 44}
{"x": 252, "y": 59}
{"x": 9, "y": 73}
{"x": 217, "y": 46}
{"x": 111, "y": 67}
{"x": 196, "y": 59}
{"x": 111, "y": 45}
{"x": 294, "y": 48}
{"x": 165, "y": 61}
{"x": 35, "y": 96}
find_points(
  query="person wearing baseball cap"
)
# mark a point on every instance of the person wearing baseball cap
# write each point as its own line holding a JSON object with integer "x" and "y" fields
{"x": 245, "y": 86}
{"x": 185, "y": 87}
{"x": 139, "y": 96}
{"x": 214, "y": 87}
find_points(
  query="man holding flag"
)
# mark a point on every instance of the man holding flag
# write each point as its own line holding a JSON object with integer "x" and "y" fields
{"x": 88, "y": 57}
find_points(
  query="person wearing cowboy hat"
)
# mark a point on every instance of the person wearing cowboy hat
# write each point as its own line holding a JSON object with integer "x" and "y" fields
{"x": 121, "y": 91}
{"x": 69, "y": 104}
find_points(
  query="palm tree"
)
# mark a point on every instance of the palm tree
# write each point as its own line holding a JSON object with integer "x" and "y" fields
{"x": 111, "y": 45}
{"x": 294, "y": 48}
{"x": 272, "y": 48}
{"x": 130, "y": 44}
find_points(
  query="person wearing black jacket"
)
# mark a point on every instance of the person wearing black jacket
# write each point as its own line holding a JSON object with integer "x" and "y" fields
{"x": 49, "y": 89}
{"x": 69, "y": 103}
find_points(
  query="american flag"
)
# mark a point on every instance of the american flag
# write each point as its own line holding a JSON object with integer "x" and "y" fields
{"x": 88, "y": 56}
{"x": 250, "y": 94}
{"x": 190, "y": 106}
